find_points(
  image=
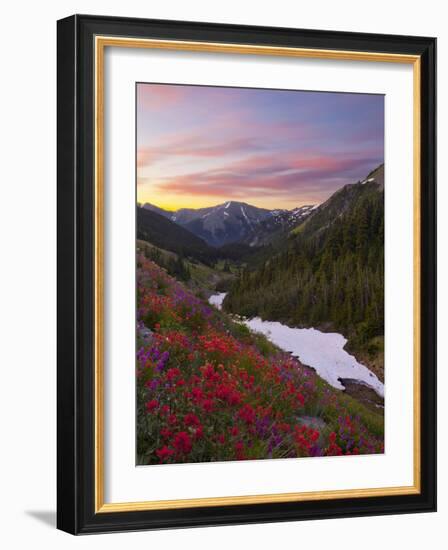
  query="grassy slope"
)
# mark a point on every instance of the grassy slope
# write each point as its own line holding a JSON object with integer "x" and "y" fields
{"x": 203, "y": 277}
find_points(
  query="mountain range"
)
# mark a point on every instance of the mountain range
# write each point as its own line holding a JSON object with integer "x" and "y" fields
{"x": 236, "y": 230}
{"x": 234, "y": 222}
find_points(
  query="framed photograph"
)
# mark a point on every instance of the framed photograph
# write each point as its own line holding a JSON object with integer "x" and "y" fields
{"x": 246, "y": 274}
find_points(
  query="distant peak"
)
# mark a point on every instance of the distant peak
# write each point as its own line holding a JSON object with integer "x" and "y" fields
{"x": 230, "y": 204}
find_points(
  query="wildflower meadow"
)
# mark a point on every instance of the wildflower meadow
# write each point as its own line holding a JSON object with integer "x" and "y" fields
{"x": 209, "y": 389}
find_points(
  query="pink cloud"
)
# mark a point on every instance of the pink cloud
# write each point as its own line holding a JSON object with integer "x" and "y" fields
{"x": 268, "y": 175}
{"x": 159, "y": 96}
{"x": 191, "y": 146}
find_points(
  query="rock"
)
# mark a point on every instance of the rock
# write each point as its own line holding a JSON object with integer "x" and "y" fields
{"x": 146, "y": 334}
{"x": 363, "y": 393}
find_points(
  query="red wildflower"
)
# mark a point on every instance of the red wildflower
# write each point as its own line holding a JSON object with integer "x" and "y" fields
{"x": 302, "y": 442}
{"x": 173, "y": 373}
{"x": 165, "y": 432}
{"x": 199, "y": 433}
{"x": 164, "y": 453}
{"x": 334, "y": 450}
{"x": 247, "y": 414}
{"x": 300, "y": 398}
{"x": 239, "y": 450}
{"x": 207, "y": 405}
{"x": 228, "y": 394}
{"x": 209, "y": 372}
{"x": 172, "y": 419}
{"x": 196, "y": 394}
{"x": 191, "y": 419}
{"x": 151, "y": 405}
{"x": 182, "y": 442}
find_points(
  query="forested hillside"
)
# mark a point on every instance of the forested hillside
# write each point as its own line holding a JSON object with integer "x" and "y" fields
{"x": 331, "y": 272}
{"x": 165, "y": 234}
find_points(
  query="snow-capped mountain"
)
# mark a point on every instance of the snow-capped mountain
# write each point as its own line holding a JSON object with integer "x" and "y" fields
{"x": 218, "y": 225}
{"x": 278, "y": 223}
{"x": 234, "y": 221}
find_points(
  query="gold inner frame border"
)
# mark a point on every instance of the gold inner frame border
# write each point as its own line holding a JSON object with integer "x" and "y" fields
{"x": 101, "y": 42}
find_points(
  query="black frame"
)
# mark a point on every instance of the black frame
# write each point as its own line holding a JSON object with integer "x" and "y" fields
{"x": 75, "y": 172}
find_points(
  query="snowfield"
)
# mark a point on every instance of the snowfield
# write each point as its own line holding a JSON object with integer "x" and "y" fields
{"x": 217, "y": 299}
{"x": 322, "y": 351}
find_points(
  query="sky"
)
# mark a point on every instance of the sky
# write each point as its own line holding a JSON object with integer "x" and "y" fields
{"x": 200, "y": 146}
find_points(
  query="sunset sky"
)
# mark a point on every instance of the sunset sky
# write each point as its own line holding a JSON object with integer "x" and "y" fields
{"x": 200, "y": 146}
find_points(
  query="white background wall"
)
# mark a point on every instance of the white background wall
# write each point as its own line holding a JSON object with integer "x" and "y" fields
{"x": 27, "y": 273}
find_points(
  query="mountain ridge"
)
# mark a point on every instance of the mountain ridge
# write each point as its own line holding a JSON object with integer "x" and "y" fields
{"x": 234, "y": 221}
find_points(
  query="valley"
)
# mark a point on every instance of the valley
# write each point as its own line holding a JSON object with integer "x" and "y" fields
{"x": 320, "y": 266}
{"x": 242, "y": 348}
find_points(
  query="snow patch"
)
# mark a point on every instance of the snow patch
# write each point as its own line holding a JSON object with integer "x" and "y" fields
{"x": 217, "y": 299}
{"x": 245, "y": 216}
{"x": 322, "y": 351}
{"x": 367, "y": 181}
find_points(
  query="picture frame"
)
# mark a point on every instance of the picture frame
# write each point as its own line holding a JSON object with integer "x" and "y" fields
{"x": 82, "y": 43}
